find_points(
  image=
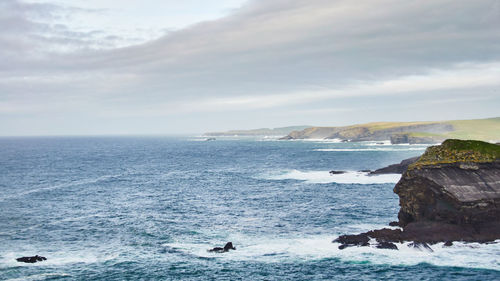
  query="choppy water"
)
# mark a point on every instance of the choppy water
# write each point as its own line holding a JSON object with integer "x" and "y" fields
{"x": 148, "y": 208}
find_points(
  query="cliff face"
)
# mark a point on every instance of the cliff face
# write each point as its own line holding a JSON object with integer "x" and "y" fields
{"x": 457, "y": 193}
{"x": 407, "y": 132}
{"x": 367, "y": 134}
{"x": 374, "y": 132}
{"x": 451, "y": 193}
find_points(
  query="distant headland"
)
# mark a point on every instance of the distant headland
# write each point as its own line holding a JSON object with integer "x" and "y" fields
{"x": 398, "y": 132}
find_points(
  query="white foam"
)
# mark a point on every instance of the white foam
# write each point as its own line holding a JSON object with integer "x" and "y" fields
{"x": 373, "y": 149}
{"x": 325, "y": 177}
{"x": 58, "y": 258}
{"x": 274, "y": 249}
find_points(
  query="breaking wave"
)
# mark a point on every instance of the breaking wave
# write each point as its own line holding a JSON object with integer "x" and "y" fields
{"x": 353, "y": 177}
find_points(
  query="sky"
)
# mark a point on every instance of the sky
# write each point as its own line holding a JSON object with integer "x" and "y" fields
{"x": 103, "y": 67}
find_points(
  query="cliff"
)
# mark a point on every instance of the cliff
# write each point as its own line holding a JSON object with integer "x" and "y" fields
{"x": 451, "y": 193}
{"x": 406, "y": 132}
{"x": 457, "y": 182}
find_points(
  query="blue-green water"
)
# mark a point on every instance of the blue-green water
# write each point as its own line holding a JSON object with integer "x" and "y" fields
{"x": 148, "y": 208}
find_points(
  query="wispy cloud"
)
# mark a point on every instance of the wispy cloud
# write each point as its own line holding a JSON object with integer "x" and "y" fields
{"x": 266, "y": 56}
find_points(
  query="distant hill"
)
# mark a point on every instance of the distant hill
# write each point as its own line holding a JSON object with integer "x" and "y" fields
{"x": 407, "y": 132}
{"x": 283, "y": 131}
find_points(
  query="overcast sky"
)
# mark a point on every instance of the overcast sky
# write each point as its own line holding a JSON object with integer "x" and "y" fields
{"x": 175, "y": 67}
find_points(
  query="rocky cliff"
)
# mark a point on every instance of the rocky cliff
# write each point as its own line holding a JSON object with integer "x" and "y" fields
{"x": 372, "y": 131}
{"x": 452, "y": 193}
{"x": 457, "y": 182}
{"x": 407, "y": 132}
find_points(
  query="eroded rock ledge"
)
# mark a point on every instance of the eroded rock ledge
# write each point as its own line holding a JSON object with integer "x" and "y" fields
{"x": 452, "y": 193}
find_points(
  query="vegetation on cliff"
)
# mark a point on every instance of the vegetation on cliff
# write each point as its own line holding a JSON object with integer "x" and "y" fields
{"x": 408, "y": 132}
{"x": 454, "y": 150}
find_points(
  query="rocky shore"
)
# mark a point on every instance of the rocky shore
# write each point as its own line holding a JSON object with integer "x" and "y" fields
{"x": 451, "y": 193}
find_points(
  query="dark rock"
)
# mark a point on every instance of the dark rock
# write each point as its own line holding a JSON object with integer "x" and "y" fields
{"x": 448, "y": 244}
{"x": 420, "y": 246}
{"x": 227, "y": 247}
{"x": 337, "y": 172}
{"x": 210, "y": 139}
{"x": 352, "y": 240}
{"x": 343, "y": 246}
{"x": 451, "y": 193}
{"x": 386, "y": 234}
{"x": 386, "y": 245}
{"x": 396, "y": 168}
{"x": 32, "y": 259}
{"x": 394, "y": 223}
{"x": 366, "y": 171}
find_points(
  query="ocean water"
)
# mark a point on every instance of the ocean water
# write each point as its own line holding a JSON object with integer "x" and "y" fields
{"x": 148, "y": 208}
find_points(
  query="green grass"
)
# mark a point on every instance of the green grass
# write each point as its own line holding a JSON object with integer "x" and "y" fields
{"x": 454, "y": 150}
{"x": 422, "y": 134}
{"x": 477, "y": 129}
{"x": 377, "y": 126}
{"x": 482, "y": 129}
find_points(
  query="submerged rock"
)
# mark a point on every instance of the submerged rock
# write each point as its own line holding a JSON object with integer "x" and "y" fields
{"x": 386, "y": 245}
{"x": 227, "y": 247}
{"x": 32, "y": 259}
{"x": 333, "y": 172}
{"x": 448, "y": 244}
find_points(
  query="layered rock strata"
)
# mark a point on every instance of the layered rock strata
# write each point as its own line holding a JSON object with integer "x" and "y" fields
{"x": 452, "y": 193}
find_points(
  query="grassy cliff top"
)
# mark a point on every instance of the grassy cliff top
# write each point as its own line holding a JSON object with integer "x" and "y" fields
{"x": 454, "y": 150}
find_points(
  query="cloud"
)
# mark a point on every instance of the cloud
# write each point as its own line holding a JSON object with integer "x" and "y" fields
{"x": 266, "y": 55}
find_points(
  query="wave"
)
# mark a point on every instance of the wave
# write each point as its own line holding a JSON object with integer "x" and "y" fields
{"x": 373, "y": 149}
{"x": 64, "y": 185}
{"x": 8, "y": 259}
{"x": 42, "y": 276}
{"x": 275, "y": 249}
{"x": 349, "y": 177}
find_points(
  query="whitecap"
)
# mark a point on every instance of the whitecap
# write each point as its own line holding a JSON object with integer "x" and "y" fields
{"x": 372, "y": 149}
{"x": 276, "y": 249}
{"x": 58, "y": 258}
{"x": 349, "y": 177}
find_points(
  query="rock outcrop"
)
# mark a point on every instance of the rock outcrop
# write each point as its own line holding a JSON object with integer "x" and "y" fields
{"x": 452, "y": 193}
{"x": 396, "y": 168}
{"x": 32, "y": 259}
{"x": 457, "y": 183}
{"x": 227, "y": 247}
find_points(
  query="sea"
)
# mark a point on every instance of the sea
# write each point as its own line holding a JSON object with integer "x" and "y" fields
{"x": 149, "y": 208}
